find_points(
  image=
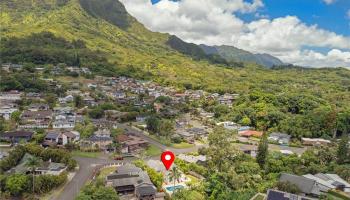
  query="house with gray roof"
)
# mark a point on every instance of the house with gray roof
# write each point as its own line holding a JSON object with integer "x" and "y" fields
{"x": 17, "y": 136}
{"x": 331, "y": 181}
{"x": 280, "y": 195}
{"x": 280, "y": 138}
{"x": 50, "y": 168}
{"x": 307, "y": 186}
{"x": 129, "y": 179}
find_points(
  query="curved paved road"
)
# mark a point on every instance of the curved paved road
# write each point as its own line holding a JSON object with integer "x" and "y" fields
{"x": 86, "y": 167}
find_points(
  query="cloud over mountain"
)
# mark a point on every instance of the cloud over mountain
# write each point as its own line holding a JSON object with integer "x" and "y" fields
{"x": 216, "y": 22}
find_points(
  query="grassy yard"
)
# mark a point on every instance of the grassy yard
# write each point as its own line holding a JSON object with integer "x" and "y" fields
{"x": 182, "y": 145}
{"x": 153, "y": 150}
{"x": 86, "y": 154}
{"x": 106, "y": 171}
{"x": 194, "y": 180}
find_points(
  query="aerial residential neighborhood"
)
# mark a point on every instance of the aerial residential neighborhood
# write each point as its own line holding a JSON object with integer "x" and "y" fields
{"x": 174, "y": 100}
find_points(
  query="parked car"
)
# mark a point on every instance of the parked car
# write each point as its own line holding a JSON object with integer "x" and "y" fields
{"x": 118, "y": 158}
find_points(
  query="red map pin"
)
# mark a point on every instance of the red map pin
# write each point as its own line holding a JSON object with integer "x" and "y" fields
{"x": 167, "y": 158}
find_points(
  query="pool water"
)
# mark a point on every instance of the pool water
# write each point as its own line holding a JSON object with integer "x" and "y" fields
{"x": 172, "y": 188}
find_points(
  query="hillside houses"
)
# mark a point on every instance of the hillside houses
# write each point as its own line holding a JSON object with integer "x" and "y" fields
{"x": 17, "y": 136}
{"x": 64, "y": 118}
{"x": 131, "y": 143}
{"x": 12, "y": 95}
{"x": 60, "y": 138}
{"x": 36, "y": 119}
{"x": 6, "y": 110}
{"x": 316, "y": 185}
{"x": 129, "y": 179}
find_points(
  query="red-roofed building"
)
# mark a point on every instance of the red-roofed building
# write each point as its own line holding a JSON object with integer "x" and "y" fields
{"x": 250, "y": 133}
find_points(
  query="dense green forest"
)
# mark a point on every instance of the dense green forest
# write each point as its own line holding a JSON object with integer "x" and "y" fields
{"x": 45, "y": 48}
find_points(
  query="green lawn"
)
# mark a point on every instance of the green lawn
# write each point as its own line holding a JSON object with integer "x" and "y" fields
{"x": 86, "y": 154}
{"x": 153, "y": 150}
{"x": 182, "y": 145}
{"x": 106, "y": 171}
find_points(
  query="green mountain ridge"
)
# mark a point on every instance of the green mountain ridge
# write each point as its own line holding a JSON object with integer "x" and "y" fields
{"x": 231, "y": 53}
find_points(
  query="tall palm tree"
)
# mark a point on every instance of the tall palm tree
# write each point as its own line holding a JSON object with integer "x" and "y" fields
{"x": 33, "y": 163}
{"x": 174, "y": 175}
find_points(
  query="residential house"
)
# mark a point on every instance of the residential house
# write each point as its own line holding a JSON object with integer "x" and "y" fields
{"x": 34, "y": 96}
{"x": 280, "y": 195}
{"x": 226, "y": 99}
{"x": 66, "y": 99}
{"x": 250, "y": 133}
{"x": 16, "y": 136}
{"x": 104, "y": 123}
{"x": 64, "y": 118}
{"x": 197, "y": 131}
{"x": 314, "y": 141}
{"x": 206, "y": 115}
{"x": 129, "y": 179}
{"x": 249, "y": 149}
{"x": 103, "y": 133}
{"x": 55, "y": 138}
{"x": 38, "y": 107}
{"x": 12, "y": 95}
{"x": 228, "y": 125}
{"x": 89, "y": 101}
{"x": 120, "y": 95}
{"x": 9, "y": 66}
{"x": 280, "y": 138}
{"x": 49, "y": 168}
{"x": 244, "y": 128}
{"x": 35, "y": 119}
{"x": 329, "y": 181}
{"x": 141, "y": 119}
{"x": 97, "y": 142}
{"x": 189, "y": 137}
{"x": 131, "y": 143}
{"x": 6, "y": 110}
{"x": 307, "y": 186}
{"x": 72, "y": 136}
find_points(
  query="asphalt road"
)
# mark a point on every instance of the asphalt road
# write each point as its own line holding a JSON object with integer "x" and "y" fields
{"x": 86, "y": 167}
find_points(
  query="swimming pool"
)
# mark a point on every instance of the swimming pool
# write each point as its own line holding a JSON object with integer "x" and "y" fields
{"x": 172, "y": 188}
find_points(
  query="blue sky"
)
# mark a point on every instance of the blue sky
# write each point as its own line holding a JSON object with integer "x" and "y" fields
{"x": 312, "y": 33}
{"x": 332, "y": 17}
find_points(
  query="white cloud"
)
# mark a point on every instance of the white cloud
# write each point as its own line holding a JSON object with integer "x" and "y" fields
{"x": 214, "y": 22}
{"x": 329, "y": 1}
{"x": 334, "y": 57}
{"x": 348, "y": 14}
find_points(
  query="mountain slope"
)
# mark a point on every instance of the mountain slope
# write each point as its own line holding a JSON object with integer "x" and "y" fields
{"x": 132, "y": 47}
{"x": 231, "y": 53}
{"x": 135, "y": 51}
